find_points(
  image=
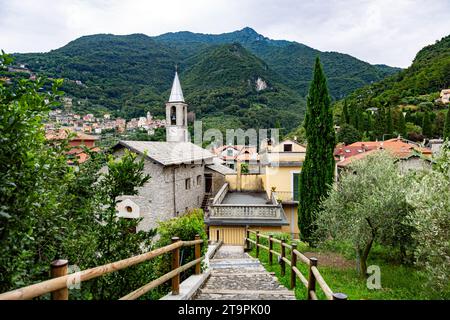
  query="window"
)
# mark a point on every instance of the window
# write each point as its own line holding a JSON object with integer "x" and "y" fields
{"x": 288, "y": 148}
{"x": 230, "y": 152}
{"x": 199, "y": 180}
{"x": 129, "y": 209}
{"x": 173, "y": 115}
{"x": 187, "y": 183}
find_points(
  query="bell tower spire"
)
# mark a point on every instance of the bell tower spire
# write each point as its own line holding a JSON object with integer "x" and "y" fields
{"x": 176, "y": 113}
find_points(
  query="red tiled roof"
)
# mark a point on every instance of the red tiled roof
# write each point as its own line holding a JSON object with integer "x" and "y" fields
{"x": 358, "y": 150}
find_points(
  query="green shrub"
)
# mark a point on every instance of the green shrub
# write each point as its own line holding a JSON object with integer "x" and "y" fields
{"x": 184, "y": 227}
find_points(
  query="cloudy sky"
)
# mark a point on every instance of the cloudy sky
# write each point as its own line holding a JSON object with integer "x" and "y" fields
{"x": 377, "y": 31}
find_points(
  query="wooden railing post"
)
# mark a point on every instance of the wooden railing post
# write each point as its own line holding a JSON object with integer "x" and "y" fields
{"x": 293, "y": 264}
{"x": 283, "y": 255}
{"x": 311, "y": 277}
{"x": 339, "y": 296}
{"x": 58, "y": 269}
{"x": 257, "y": 243}
{"x": 197, "y": 254}
{"x": 247, "y": 239}
{"x": 270, "y": 249}
{"x": 175, "y": 265}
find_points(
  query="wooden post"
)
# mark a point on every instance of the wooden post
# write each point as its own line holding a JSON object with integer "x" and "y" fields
{"x": 247, "y": 237}
{"x": 270, "y": 248}
{"x": 293, "y": 264}
{"x": 257, "y": 242}
{"x": 339, "y": 296}
{"x": 311, "y": 277}
{"x": 58, "y": 268}
{"x": 175, "y": 265}
{"x": 283, "y": 255}
{"x": 197, "y": 254}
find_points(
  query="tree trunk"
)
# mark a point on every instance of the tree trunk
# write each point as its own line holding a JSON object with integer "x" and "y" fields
{"x": 363, "y": 255}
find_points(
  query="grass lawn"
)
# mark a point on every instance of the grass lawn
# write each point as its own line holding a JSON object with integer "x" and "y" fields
{"x": 398, "y": 282}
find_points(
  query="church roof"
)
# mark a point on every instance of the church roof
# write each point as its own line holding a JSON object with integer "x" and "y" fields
{"x": 176, "y": 95}
{"x": 169, "y": 153}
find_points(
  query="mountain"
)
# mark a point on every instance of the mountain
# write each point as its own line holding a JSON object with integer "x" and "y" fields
{"x": 413, "y": 91}
{"x": 239, "y": 77}
{"x": 292, "y": 60}
{"x": 429, "y": 73}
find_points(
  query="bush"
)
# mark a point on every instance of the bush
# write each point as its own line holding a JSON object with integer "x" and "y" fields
{"x": 184, "y": 227}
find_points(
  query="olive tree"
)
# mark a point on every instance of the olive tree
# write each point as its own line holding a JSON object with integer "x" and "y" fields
{"x": 430, "y": 197}
{"x": 367, "y": 205}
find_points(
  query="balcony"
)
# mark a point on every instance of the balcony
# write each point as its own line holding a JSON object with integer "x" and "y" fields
{"x": 245, "y": 208}
{"x": 286, "y": 197}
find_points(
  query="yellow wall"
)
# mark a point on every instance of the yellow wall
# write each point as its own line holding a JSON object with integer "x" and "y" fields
{"x": 281, "y": 178}
{"x": 229, "y": 235}
{"x": 249, "y": 182}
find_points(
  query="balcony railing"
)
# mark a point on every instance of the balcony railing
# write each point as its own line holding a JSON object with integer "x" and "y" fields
{"x": 286, "y": 196}
{"x": 218, "y": 210}
{"x": 238, "y": 211}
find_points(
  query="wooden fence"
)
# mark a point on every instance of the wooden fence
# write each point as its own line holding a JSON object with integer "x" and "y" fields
{"x": 314, "y": 276}
{"x": 58, "y": 286}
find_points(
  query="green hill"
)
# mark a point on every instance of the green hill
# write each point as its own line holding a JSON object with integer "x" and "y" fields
{"x": 292, "y": 60}
{"x": 130, "y": 75}
{"x": 413, "y": 91}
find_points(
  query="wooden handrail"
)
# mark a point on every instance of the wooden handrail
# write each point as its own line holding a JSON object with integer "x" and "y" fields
{"x": 302, "y": 257}
{"x": 300, "y": 276}
{"x": 323, "y": 285}
{"x": 276, "y": 240}
{"x": 61, "y": 282}
{"x": 151, "y": 285}
{"x": 314, "y": 274}
{"x": 191, "y": 243}
{"x": 263, "y": 236}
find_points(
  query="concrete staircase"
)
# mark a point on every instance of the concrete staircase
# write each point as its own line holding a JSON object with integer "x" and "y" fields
{"x": 237, "y": 276}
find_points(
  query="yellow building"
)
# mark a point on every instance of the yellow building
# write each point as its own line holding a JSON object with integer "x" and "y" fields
{"x": 281, "y": 167}
{"x": 267, "y": 202}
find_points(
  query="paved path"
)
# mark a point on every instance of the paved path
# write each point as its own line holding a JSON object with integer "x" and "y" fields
{"x": 237, "y": 276}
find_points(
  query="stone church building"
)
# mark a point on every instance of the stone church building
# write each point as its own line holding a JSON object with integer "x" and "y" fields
{"x": 183, "y": 175}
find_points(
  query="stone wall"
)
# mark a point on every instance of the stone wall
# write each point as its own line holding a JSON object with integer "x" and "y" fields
{"x": 159, "y": 191}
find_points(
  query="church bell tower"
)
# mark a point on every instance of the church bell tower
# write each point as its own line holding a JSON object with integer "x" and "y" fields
{"x": 176, "y": 114}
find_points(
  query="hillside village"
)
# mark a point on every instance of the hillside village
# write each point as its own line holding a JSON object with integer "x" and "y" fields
{"x": 356, "y": 183}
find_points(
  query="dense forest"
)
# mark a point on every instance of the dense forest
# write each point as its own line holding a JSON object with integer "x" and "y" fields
{"x": 235, "y": 79}
{"x": 405, "y": 104}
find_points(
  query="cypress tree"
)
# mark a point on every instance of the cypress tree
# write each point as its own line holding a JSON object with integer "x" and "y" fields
{"x": 389, "y": 123}
{"x": 426, "y": 125}
{"x": 379, "y": 124}
{"x": 401, "y": 125}
{"x": 318, "y": 169}
{"x": 345, "y": 115}
{"x": 446, "y": 134}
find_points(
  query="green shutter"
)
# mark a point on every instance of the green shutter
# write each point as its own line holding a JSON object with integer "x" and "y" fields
{"x": 296, "y": 178}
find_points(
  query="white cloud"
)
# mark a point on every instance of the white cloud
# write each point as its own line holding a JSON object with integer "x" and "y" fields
{"x": 377, "y": 31}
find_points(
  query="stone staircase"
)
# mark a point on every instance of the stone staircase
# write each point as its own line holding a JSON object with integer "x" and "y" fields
{"x": 237, "y": 276}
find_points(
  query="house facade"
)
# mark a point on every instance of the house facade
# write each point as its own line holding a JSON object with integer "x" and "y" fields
{"x": 266, "y": 201}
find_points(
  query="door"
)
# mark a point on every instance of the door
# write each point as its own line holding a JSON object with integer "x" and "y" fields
{"x": 208, "y": 183}
{"x": 296, "y": 186}
{"x": 229, "y": 235}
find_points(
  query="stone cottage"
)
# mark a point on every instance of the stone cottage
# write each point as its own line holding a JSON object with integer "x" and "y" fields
{"x": 182, "y": 174}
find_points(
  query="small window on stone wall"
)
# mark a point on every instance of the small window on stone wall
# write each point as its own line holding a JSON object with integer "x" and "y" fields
{"x": 187, "y": 183}
{"x": 199, "y": 180}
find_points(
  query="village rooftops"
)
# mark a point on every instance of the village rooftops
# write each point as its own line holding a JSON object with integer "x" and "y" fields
{"x": 169, "y": 153}
{"x": 398, "y": 147}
